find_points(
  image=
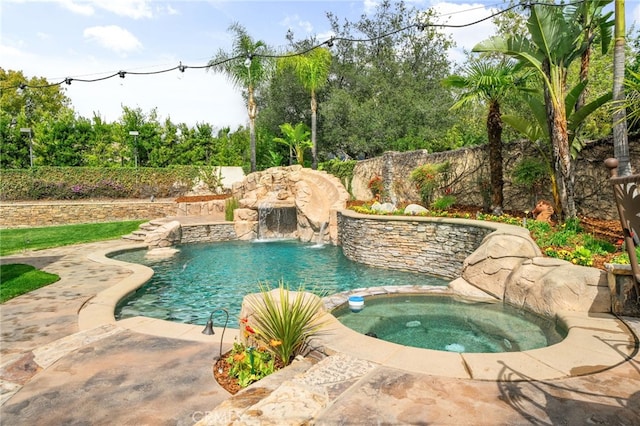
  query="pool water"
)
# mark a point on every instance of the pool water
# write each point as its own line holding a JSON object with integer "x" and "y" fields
{"x": 200, "y": 278}
{"x": 446, "y": 323}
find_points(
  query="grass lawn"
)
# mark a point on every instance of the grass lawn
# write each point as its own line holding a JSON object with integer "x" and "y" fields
{"x": 17, "y": 279}
{"x": 16, "y": 240}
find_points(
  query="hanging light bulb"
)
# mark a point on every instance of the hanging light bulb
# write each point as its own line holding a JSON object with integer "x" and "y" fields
{"x": 247, "y": 62}
{"x": 181, "y": 68}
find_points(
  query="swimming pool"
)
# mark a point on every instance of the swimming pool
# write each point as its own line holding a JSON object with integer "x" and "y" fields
{"x": 447, "y": 323}
{"x": 200, "y": 278}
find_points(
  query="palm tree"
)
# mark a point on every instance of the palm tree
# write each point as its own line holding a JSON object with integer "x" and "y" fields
{"x": 620, "y": 137}
{"x": 553, "y": 44}
{"x": 486, "y": 82}
{"x": 296, "y": 138}
{"x": 312, "y": 69}
{"x": 246, "y": 66}
{"x": 537, "y": 130}
{"x": 596, "y": 26}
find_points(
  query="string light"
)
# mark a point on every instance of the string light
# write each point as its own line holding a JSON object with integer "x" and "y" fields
{"x": 420, "y": 26}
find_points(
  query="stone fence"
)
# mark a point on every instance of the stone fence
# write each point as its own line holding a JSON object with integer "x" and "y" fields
{"x": 469, "y": 177}
{"x": 15, "y": 215}
{"x": 429, "y": 245}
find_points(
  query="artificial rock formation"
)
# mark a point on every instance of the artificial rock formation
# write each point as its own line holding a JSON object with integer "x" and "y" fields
{"x": 167, "y": 235}
{"x": 315, "y": 195}
{"x": 509, "y": 266}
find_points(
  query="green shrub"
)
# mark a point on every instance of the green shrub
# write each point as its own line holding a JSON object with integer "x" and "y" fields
{"x": 284, "y": 324}
{"x": 69, "y": 183}
{"x": 230, "y": 205}
{"x": 530, "y": 173}
{"x": 623, "y": 258}
{"x": 579, "y": 256}
{"x": 443, "y": 203}
{"x": 249, "y": 364}
{"x": 343, "y": 170}
{"x": 427, "y": 179}
{"x": 376, "y": 186}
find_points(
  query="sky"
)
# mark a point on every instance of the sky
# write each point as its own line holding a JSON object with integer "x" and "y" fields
{"x": 90, "y": 39}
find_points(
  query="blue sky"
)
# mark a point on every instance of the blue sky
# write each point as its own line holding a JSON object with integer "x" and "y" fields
{"x": 93, "y": 38}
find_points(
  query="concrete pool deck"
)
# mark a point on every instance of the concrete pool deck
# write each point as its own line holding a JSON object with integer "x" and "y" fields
{"x": 61, "y": 348}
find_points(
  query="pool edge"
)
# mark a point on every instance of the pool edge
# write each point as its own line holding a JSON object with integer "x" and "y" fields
{"x": 595, "y": 341}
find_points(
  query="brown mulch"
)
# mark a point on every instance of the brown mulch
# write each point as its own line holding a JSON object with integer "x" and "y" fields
{"x": 229, "y": 383}
{"x": 221, "y": 374}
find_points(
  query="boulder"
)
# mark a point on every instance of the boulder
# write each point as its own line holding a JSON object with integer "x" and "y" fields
{"x": 462, "y": 288}
{"x": 161, "y": 253}
{"x": 166, "y": 235}
{"x": 489, "y": 266}
{"x": 414, "y": 209}
{"x": 383, "y": 208}
{"x": 547, "y": 285}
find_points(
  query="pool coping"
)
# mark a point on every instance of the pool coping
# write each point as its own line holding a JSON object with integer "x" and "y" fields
{"x": 595, "y": 341}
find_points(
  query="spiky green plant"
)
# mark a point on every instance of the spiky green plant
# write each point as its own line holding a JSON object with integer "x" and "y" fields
{"x": 286, "y": 323}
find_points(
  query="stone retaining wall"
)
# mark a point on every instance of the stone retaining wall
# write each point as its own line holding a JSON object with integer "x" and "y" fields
{"x": 16, "y": 215}
{"x": 469, "y": 176}
{"x": 223, "y": 231}
{"x": 419, "y": 244}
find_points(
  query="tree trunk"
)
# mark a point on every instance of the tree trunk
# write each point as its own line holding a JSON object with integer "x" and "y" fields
{"x": 252, "y": 109}
{"x": 561, "y": 154}
{"x": 314, "y": 147}
{"x": 585, "y": 60}
{"x": 494, "y": 133}
{"x": 620, "y": 139}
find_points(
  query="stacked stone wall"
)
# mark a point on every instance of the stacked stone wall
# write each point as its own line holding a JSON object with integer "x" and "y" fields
{"x": 469, "y": 176}
{"x": 16, "y": 215}
{"x": 425, "y": 245}
{"x": 208, "y": 233}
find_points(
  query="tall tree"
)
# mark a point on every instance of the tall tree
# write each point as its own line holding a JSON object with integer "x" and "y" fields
{"x": 596, "y": 26}
{"x": 246, "y": 66}
{"x": 488, "y": 82}
{"x": 25, "y": 102}
{"x": 387, "y": 88}
{"x": 312, "y": 70}
{"x": 553, "y": 44}
{"x": 620, "y": 138}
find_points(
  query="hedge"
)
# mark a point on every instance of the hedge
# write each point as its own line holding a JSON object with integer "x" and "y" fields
{"x": 72, "y": 183}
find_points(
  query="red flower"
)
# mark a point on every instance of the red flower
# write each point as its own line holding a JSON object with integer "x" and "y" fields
{"x": 249, "y": 329}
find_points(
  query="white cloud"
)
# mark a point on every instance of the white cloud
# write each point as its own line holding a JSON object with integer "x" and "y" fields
{"x": 171, "y": 11}
{"x": 113, "y": 38}
{"x": 10, "y": 51}
{"x": 135, "y": 9}
{"x": 460, "y": 14}
{"x": 370, "y": 6}
{"x": 43, "y": 36}
{"x": 81, "y": 9}
{"x": 293, "y": 22}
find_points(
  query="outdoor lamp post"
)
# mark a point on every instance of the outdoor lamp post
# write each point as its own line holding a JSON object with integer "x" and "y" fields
{"x": 27, "y": 130}
{"x": 135, "y": 134}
